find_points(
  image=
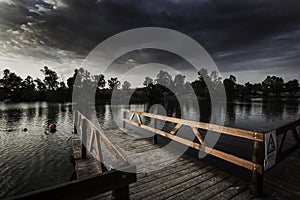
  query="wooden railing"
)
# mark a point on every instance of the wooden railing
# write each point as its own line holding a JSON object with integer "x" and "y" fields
{"x": 255, "y": 165}
{"x": 281, "y": 133}
{"x": 115, "y": 179}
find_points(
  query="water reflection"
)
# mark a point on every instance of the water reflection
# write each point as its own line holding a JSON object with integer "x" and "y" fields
{"x": 12, "y": 117}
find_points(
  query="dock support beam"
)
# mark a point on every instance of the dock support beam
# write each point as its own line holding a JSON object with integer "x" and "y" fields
{"x": 257, "y": 178}
{"x": 155, "y": 135}
{"x": 75, "y": 122}
{"x": 124, "y": 117}
{"x": 84, "y": 138}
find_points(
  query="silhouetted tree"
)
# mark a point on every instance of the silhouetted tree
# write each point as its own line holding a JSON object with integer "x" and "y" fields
{"x": 11, "y": 81}
{"x": 40, "y": 85}
{"x": 148, "y": 82}
{"x": 100, "y": 79}
{"x": 71, "y": 80}
{"x": 273, "y": 85}
{"x": 113, "y": 83}
{"x": 292, "y": 87}
{"x": 230, "y": 86}
{"x": 50, "y": 79}
{"x": 126, "y": 85}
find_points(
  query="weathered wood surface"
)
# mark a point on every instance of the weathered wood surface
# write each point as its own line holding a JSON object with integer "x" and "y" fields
{"x": 189, "y": 178}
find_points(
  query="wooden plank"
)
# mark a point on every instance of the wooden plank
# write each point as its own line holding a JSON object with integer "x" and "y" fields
{"x": 215, "y": 189}
{"x": 116, "y": 152}
{"x": 157, "y": 174}
{"x": 287, "y": 127}
{"x": 231, "y": 191}
{"x": 225, "y": 156}
{"x": 257, "y": 178}
{"x": 198, "y": 135}
{"x": 243, "y": 195}
{"x": 85, "y": 188}
{"x": 183, "y": 185}
{"x": 165, "y": 180}
{"x": 131, "y": 116}
{"x": 139, "y": 119}
{"x": 91, "y": 142}
{"x": 162, "y": 185}
{"x": 222, "y": 129}
{"x": 83, "y": 138}
{"x": 176, "y": 128}
{"x": 196, "y": 189}
{"x": 99, "y": 157}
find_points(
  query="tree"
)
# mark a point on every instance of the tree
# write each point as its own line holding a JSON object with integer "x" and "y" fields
{"x": 50, "y": 79}
{"x": 62, "y": 85}
{"x": 11, "y": 81}
{"x": 230, "y": 86}
{"x": 273, "y": 85}
{"x": 126, "y": 85}
{"x": 164, "y": 79}
{"x": 40, "y": 85}
{"x": 71, "y": 80}
{"x": 292, "y": 87}
{"x": 113, "y": 83}
{"x": 179, "y": 82}
{"x": 148, "y": 82}
{"x": 100, "y": 79}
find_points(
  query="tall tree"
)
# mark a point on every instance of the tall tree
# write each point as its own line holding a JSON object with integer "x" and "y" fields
{"x": 113, "y": 83}
{"x": 50, "y": 79}
{"x": 11, "y": 81}
{"x": 164, "y": 79}
{"x": 230, "y": 86}
{"x": 71, "y": 80}
{"x": 100, "y": 79}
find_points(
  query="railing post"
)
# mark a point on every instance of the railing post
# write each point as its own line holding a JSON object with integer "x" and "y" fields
{"x": 155, "y": 126}
{"x": 121, "y": 193}
{"x": 257, "y": 178}
{"x": 75, "y": 122}
{"x": 84, "y": 138}
{"x": 124, "y": 117}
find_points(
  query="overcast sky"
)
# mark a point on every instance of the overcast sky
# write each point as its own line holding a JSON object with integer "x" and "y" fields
{"x": 250, "y": 39}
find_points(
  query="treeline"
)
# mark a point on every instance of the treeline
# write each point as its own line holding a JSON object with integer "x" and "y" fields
{"x": 14, "y": 88}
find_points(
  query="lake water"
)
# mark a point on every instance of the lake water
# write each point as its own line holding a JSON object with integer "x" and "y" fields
{"x": 32, "y": 160}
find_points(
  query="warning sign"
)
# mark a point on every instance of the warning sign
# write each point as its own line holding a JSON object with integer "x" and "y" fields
{"x": 270, "y": 150}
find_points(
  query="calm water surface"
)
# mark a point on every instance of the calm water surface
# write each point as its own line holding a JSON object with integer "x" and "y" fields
{"x": 31, "y": 160}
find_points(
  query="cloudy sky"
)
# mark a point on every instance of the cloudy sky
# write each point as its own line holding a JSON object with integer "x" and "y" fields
{"x": 250, "y": 39}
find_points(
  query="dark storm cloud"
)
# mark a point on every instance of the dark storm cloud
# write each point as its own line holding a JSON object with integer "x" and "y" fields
{"x": 234, "y": 32}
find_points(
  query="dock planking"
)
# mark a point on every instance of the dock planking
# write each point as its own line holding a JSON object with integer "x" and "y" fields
{"x": 185, "y": 178}
{"x": 184, "y": 174}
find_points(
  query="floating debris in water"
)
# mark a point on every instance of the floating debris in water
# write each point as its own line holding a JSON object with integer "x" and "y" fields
{"x": 9, "y": 129}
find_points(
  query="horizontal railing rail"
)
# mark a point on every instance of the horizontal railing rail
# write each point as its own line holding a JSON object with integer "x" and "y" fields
{"x": 255, "y": 165}
{"x": 250, "y": 135}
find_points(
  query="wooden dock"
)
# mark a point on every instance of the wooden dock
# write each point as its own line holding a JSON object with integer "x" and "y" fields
{"x": 187, "y": 178}
{"x": 116, "y": 164}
